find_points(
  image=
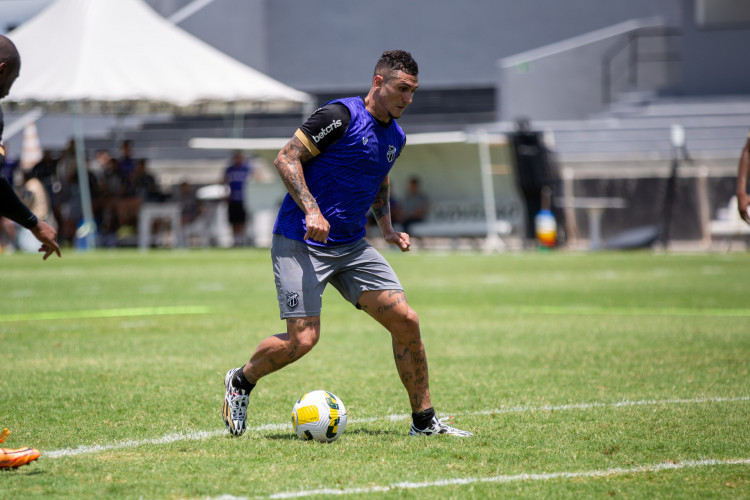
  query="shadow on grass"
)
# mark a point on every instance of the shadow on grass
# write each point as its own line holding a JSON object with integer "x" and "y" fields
{"x": 369, "y": 432}
{"x": 22, "y": 471}
{"x": 287, "y": 437}
{"x": 375, "y": 432}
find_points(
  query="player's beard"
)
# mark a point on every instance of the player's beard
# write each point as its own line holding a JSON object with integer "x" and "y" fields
{"x": 393, "y": 117}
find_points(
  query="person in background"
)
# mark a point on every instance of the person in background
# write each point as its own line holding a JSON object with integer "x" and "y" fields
{"x": 414, "y": 205}
{"x": 235, "y": 179}
{"x": 111, "y": 191}
{"x": 145, "y": 186}
{"x": 190, "y": 206}
{"x": 100, "y": 164}
{"x": 742, "y": 173}
{"x": 46, "y": 172}
{"x": 126, "y": 163}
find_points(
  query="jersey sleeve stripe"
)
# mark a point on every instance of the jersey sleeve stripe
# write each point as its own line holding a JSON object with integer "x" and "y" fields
{"x": 307, "y": 142}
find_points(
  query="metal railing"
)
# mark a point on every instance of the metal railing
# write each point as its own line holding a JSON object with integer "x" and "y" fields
{"x": 622, "y": 64}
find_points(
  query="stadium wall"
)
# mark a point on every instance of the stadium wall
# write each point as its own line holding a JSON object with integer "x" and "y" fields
{"x": 565, "y": 80}
{"x": 332, "y": 44}
{"x": 715, "y": 60}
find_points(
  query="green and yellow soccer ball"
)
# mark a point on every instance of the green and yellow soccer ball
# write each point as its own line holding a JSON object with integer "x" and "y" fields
{"x": 319, "y": 416}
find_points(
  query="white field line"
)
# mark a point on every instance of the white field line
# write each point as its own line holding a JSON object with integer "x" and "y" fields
{"x": 546, "y": 476}
{"x": 198, "y": 435}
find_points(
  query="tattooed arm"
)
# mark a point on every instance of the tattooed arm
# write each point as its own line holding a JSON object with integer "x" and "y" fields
{"x": 743, "y": 201}
{"x": 289, "y": 165}
{"x": 381, "y": 206}
{"x": 381, "y": 209}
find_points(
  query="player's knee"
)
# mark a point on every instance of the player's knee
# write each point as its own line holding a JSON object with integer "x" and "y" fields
{"x": 412, "y": 319}
{"x": 303, "y": 333}
{"x": 406, "y": 326}
{"x": 306, "y": 341}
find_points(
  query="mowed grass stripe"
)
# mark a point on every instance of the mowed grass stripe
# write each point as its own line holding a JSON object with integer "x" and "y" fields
{"x": 198, "y": 435}
{"x": 575, "y": 310}
{"x": 105, "y": 313}
{"x": 545, "y": 476}
{"x": 552, "y": 310}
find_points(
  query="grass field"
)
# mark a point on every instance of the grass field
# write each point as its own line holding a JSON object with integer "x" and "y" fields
{"x": 581, "y": 375}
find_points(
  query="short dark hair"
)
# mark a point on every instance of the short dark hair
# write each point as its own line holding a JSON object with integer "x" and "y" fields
{"x": 396, "y": 60}
{"x": 9, "y": 53}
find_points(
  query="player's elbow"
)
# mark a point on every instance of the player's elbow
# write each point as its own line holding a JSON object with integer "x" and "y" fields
{"x": 278, "y": 162}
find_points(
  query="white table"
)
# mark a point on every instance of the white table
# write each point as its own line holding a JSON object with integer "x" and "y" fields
{"x": 594, "y": 207}
{"x": 151, "y": 211}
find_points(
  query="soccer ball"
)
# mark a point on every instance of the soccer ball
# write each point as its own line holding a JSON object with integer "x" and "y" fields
{"x": 319, "y": 415}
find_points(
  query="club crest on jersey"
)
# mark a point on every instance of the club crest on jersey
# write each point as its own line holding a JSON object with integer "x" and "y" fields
{"x": 391, "y": 155}
{"x": 364, "y": 141}
{"x": 292, "y": 299}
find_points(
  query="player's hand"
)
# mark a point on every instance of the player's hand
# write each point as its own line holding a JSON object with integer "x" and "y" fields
{"x": 742, "y": 203}
{"x": 47, "y": 235}
{"x": 317, "y": 227}
{"x": 401, "y": 240}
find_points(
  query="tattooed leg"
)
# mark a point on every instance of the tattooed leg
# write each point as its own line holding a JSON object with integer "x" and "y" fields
{"x": 390, "y": 309}
{"x": 279, "y": 350}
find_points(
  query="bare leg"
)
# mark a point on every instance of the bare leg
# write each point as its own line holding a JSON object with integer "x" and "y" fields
{"x": 390, "y": 309}
{"x": 277, "y": 351}
{"x": 238, "y": 234}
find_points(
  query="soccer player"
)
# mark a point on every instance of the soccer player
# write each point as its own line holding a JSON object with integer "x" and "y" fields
{"x": 235, "y": 179}
{"x": 335, "y": 169}
{"x": 13, "y": 458}
{"x": 742, "y": 173}
{"x": 10, "y": 205}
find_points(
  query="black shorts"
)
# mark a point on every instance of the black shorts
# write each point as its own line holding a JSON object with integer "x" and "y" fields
{"x": 237, "y": 213}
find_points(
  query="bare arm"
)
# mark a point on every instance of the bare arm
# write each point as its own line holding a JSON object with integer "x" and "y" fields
{"x": 289, "y": 165}
{"x": 381, "y": 209}
{"x": 381, "y": 206}
{"x": 12, "y": 207}
{"x": 742, "y": 173}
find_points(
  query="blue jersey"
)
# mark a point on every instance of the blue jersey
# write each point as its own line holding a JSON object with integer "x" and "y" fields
{"x": 345, "y": 177}
{"x": 235, "y": 177}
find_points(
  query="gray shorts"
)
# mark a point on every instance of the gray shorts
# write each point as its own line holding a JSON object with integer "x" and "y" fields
{"x": 302, "y": 272}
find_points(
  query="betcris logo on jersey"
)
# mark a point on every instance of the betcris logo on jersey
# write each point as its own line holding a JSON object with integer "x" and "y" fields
{"x": 326, "y": 130}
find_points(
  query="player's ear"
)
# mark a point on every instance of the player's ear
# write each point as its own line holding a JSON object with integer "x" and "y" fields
{"x": 377, "y": 81}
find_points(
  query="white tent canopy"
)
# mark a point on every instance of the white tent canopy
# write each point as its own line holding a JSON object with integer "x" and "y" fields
{"x": 121, "y": 56}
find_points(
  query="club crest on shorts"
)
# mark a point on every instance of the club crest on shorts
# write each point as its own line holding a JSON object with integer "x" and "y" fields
{"x": 292, "y": 299}
{"x": 391, "y": 155}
